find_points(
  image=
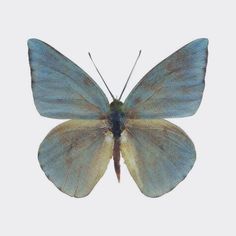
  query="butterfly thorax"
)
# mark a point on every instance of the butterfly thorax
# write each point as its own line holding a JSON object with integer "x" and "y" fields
{"x": 116, "y": 118}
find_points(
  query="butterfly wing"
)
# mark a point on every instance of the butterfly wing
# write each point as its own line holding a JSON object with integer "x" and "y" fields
{"x": 157, "y": 153}
{"x": 75, "y": 155}
{"x": 61, "y": 89}
{"x": 173, "y": 88}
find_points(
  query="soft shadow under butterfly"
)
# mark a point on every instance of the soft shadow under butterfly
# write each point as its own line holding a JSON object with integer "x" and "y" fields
{"x": 158, "y": 154}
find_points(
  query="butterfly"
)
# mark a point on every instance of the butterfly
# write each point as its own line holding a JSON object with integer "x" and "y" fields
{"x": 158, "y": 154}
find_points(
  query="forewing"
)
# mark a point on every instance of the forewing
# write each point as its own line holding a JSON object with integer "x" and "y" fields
{"x": 157, "y": 153}
{"x": 61, "y": 89}
{"x": 174, "y": 87}
{"x": 75, "y": 155}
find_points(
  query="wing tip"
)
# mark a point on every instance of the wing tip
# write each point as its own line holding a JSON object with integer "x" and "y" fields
{"x": 31, "y": 42}
{"x": 202, "y": 41}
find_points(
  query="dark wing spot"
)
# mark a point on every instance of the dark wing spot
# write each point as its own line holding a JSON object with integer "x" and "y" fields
{"x": 131, "y": 114}
{"x": 172, "y": 65}
{"x": 137, "y": 100}
{"x": 69, "y": 161}
{"x": 87, "y": 81}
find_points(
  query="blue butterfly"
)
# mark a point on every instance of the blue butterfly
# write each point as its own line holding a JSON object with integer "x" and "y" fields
{"x": 158, "y": 154}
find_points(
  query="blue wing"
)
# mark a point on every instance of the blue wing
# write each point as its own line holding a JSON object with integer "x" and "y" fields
{"x": 61, "y": 89}
{"x": 157, "y": 153}
{"x": 173, "y": 88}
{"x": 75, "y": 155}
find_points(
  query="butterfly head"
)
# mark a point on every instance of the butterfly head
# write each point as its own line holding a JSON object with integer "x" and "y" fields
{"x": 116, "y": 105}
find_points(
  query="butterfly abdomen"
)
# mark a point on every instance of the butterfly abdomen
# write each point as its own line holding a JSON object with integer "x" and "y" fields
{"x": 116, "y": 157}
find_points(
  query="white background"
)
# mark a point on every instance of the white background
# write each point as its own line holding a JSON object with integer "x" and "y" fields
{"x": 114, "y": 31}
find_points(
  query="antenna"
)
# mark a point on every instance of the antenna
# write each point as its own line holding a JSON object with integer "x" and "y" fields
{"x": 101, "y": 76}
{"x": 130, "y": 74}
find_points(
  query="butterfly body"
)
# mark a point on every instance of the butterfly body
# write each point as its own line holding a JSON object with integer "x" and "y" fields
{"x": 158, "y": 154}
{"x": 116, "y": 120}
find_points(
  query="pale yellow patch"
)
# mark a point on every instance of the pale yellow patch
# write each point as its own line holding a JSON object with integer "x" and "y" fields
{"x": 109, "y": 138}
{"x": 129, "y": 153}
